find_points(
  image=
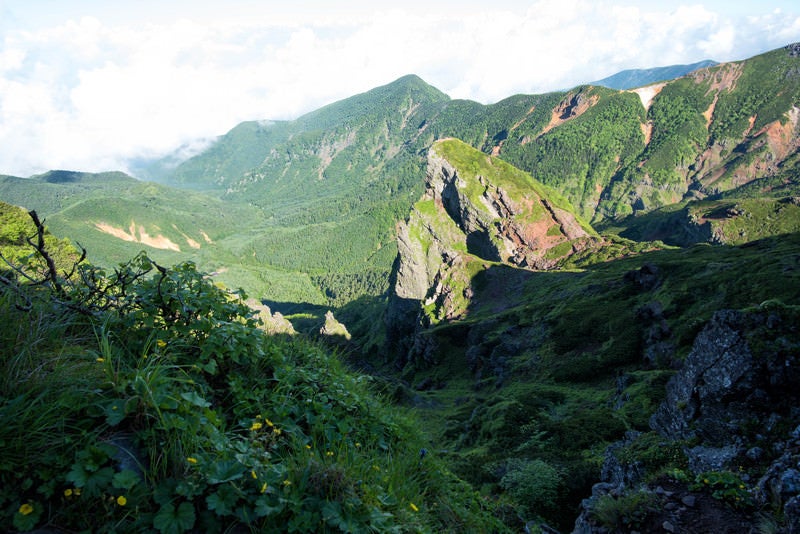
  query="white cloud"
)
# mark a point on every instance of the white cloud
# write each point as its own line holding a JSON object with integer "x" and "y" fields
{"x": 89, "y": 94}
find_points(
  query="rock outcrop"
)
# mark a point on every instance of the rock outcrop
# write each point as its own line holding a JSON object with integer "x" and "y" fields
{"x": 272, "y": 323}
{"x": 734, "y": 407}
{"x": 477, "y": 211}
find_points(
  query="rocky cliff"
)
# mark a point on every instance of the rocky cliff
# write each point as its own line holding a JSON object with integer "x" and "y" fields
{"x": 731, "y": 416}
{"x": 477, "y": 211}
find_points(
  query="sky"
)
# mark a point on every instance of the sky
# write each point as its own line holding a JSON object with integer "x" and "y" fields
{"x": 92, "y": 85}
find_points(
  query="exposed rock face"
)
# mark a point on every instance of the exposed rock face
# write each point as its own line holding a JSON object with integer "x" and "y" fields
{"x": 500, "y": 227}
{"x": 272, "y": 323}
{"x": 722, "y": 384}
{"x": 734, "y": 398}
{"x": 333, "y": 327}
{"x": 465, "y": 221}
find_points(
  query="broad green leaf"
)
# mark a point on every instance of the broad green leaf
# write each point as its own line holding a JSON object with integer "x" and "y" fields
{"x": 195, "y": 399}
{"x": 125, "y": 479}
{"x": 223, "y": 500}
{"x": 225, "y": 471}
{"x": 171, "y": 520}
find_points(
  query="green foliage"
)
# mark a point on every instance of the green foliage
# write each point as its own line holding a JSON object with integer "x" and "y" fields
{"x": 725, "y": 486}
{"x": 534, "y": 483}
{"x": 625, "y": 512}
{"x": 653, "y": 453}
{"x": 156, "y": 403}
{"x": 579, "y": 156}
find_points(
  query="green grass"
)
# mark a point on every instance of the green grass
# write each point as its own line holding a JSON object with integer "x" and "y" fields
{"x": 555, "y": 370}
{"x": 175, "y": 412}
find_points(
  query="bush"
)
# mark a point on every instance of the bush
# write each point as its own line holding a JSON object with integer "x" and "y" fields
{"x": 534, "y": 483}
{"x": 149, "y": 400}
{"x": 625, "y": 512}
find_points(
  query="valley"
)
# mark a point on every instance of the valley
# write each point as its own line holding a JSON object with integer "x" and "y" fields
{"x": 557, "y": 288}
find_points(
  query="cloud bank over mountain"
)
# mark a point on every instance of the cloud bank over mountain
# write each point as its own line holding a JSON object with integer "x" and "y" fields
{"x": 84, "y": 87}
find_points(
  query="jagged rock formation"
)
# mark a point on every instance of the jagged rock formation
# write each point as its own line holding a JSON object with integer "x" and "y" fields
{"x": 477, "y": 210}
{"x": 333, "y": 327}
{"x": 733, "y": 407}
{"x": 272, "y": 323}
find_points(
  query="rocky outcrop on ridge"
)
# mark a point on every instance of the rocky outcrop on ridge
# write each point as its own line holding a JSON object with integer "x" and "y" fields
{"x": 476, "y": 211}
{"x": 733, "y": 409}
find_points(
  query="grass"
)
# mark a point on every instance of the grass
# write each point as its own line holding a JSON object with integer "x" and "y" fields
{"x": 156, "y": 417}
{"x": 555, "y": 369}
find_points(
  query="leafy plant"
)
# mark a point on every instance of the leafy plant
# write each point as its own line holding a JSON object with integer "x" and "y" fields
{"x": 725, "y": 486}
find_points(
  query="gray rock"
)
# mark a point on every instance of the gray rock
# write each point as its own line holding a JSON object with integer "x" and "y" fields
{"x": 703, "y": 459}
{"x": 689, "y": 500}
{"x": 790, "y": 482}
{"x": 720, "y": 362}
{"x": 791, "y": 515}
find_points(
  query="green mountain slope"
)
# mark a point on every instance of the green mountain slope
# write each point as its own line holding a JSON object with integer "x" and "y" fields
{"x": 459, "y": 242}
{"x": 318, "y": 198}
{"x": 543, "y": 370}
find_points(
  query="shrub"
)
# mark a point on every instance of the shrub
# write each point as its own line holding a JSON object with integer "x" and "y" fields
{"x": 535, "y": 483}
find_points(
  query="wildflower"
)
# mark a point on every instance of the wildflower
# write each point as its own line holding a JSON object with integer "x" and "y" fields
{"x": 268, "y": 422}
{"x": 26, "y": 509}
{"x": 256, "y": 426}
{"x": 276, "y": 431}
{"x": 253, "y": 474}
{"x": 264, "y": 487}
{"x": 77, "y": 492}
{"x": 705, "y": 481}
{"x": 192, "y": 460}
{"x": 329, "y": 453}
{"x": 121, "y": 500}
{"x": 358, "y": 445}
{"x": 287, "y": 482}
{"x": 101, "y": 360}
{"x": 413, "y": 506}
{"x": 308, "y": 446}
{"x": 68, "y": 492}
{"x": 741, "y": 486}
{"x": 161, "y": 343}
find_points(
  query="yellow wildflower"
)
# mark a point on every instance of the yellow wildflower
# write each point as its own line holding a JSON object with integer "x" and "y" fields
{"x": 358, "y": 445}
{"x": 287, "y": 482}
{"x": 269, "y": 423}
{"x": 329, "y": 453}
{"x": 256, "y": 426}
{"x": 161, "y": 343}
{"x": 264, "y": 487}
{"x": 308, "y": 446}
{"x": 121, "y": 500}
{"x": 77, "y": 492}
{"x": 68, "y": 492}
{"x": 253, "y": 474}
{"x": 101, "y": 360}
{"x": 413, "y": 506}
{"x": 276, "y": 431}
{"x": 26, "y": 509}
{"x": 191, "y": 460}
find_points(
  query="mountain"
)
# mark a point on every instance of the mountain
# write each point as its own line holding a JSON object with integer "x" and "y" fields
{"x": 591, "y": 292}
{"x": 317, "y": 200}
{"x": 633, "y": 78}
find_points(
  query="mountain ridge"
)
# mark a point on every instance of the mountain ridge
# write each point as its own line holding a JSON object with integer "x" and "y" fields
{"x": 634, "y": 78}
{"x": 501, "y": 269}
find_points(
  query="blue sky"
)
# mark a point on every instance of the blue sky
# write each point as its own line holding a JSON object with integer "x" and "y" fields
{"x": 88, "y": 84}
